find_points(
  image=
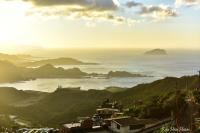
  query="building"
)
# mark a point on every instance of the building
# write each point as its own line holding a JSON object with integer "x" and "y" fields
{"x": 106, "y": 112}
{"x": 70, "y": 128}
{"x": 126, "y": 125}
{"x": 84, "y": 124}
{"x": 114, "y": 105}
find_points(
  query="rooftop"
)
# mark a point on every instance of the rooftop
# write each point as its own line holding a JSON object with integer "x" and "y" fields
{"x": 115, "y": 118}
{"x": 108, "y": 109}
{"x": 126, "y": 121}
{"x": 71, "y": 125}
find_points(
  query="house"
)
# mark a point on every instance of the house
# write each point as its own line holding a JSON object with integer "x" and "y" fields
{"x": 97, "y": 120}
{"x": 113, "y": 105}
{"x": 70, "y": 128}
{"x": 84, "y": 124}
{"x": 126, "y": 125}
{"x": 106, "y": 112}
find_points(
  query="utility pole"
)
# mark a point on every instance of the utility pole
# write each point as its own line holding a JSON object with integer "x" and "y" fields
{"x": 186, "y": 84}
{"x": 177, "y": 108}
{"x": 199, "y": 81}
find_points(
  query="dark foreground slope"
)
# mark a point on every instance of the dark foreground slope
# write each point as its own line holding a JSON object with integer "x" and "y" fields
{"x": 65, "y": 105}
{"x": 12, "y": 96}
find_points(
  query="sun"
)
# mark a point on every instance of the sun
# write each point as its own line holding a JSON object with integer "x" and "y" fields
{"x": 13, "y": 16}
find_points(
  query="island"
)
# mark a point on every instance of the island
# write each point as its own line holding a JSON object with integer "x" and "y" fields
{"x": 56, "y": 62}
{"x": 117, "y": 74}
{"x": 156, "y": 52}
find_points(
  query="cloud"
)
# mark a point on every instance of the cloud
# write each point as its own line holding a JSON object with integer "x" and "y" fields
{"x": 78, "y": 9}
{"x": 187, "y": 2}
{"x": 131, "y": 4}
{"x": 99, "y": 5}
{"x": 97, "y": 10}
{"x": 156, "y": 12}
{"x": 91, "y": 10}
{"x": 74, "y": 12}
{"x": 159, "y": 12}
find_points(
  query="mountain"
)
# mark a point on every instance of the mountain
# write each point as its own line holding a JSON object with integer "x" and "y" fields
{"x": 156, "y": 52}
{"x": 57, "y": 61}
{"x": 160, "y": 87}
{"x": 49, "y": 71}
{"x": 29, "y": 61}
{"x": 14, "y": 58}
{"x": 65, "y": 105}
{"x": 12, "y": 73}
{"x": 115, "y": 89}
{"x": 12, "y": 96}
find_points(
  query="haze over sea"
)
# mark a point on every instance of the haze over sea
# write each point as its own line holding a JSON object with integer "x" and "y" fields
{"x": 177, "y": 63}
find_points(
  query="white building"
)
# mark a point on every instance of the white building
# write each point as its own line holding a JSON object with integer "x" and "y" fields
{"x": 126, "y": 125}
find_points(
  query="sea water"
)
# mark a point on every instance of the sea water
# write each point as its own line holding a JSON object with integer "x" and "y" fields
{"x": 175, "y": 64}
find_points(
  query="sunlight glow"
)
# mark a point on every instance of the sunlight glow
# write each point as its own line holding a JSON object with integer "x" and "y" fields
{"x": 13, "y": 15}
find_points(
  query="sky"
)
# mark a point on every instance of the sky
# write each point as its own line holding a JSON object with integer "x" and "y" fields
{"x": 100, "y": 23}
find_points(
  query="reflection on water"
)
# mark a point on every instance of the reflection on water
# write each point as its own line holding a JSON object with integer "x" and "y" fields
{"x": 49, "y": 85}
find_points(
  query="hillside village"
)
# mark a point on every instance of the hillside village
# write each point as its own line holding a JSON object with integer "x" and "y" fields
{"x": 110, "y": 117}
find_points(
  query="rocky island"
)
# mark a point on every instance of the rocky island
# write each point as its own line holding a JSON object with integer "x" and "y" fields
{"x": 118, "y": 74}
{"x": 156, "y": 52}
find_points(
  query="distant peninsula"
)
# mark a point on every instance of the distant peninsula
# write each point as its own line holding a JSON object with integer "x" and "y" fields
{"x": 30, "y": 61}
{"x": 156, "y": 52}
{"x": 17, "y": 58}
{"x": 57, "y": 61}
{"x": 12, "y": 73}
{"x": 121, "y": 74}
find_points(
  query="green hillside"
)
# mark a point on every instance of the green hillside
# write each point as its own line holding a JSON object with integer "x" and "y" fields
{"x": 66, "y": 105}
{"x": 63, "y": 106}
{"x": 159, "y": 87}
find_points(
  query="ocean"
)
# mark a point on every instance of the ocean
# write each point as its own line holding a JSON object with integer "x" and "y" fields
{"x": 176, "y": 64}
